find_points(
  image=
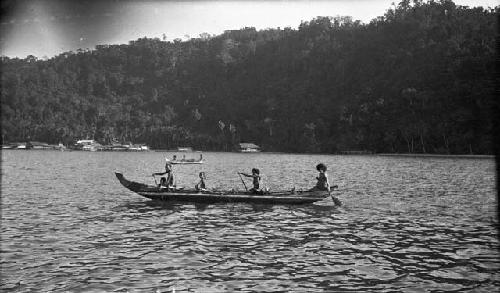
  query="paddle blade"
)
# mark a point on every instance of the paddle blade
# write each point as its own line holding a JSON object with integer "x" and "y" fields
{"x": 336, "y": 201}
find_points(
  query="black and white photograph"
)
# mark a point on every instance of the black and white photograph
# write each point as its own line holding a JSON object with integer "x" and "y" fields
{"x": 172, "y": 146}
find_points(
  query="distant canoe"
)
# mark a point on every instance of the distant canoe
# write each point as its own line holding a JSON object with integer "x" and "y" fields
{"x": 281, "y": 197}
{"x": 250, "y": 151}
{"x": 185, "y": 161}
{"x": 184, "y": 149}
{"x": 177, "y": 162}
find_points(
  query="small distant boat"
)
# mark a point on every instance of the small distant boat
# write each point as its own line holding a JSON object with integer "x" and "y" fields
{"x": 185, "y": 162}
{"x": 138, "y": 148}
{"x": 175, "y": 161}
{"x": 184, "y": 149}
{"x": 250, "y": 151}
{"x": 194, "y": 196}
{"x": 23, "y": 147}
{"x": 37, "y": 145}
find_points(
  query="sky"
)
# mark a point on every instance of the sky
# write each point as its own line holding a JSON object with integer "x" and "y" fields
{"x": 45, "y": 28}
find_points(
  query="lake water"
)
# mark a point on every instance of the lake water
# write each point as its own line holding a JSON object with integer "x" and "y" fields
{"x": 407, "y": 224}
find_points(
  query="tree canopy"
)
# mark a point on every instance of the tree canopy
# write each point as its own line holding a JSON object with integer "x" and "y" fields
{"x": 419, "y": 79}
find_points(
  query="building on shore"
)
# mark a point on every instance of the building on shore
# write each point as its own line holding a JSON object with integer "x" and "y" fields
{"x": 17, "y": 146}
{"x": 35, "y": 145}
{"x": 92, "y": 145}
{"x": 137, "y": 147}
{"x": 38, "y": 145}
{"x": 88, "y": 145}
{"x": 249, "y": 148}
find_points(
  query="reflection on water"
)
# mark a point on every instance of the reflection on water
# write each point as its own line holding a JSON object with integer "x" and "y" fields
{"x": 411, "y": 224}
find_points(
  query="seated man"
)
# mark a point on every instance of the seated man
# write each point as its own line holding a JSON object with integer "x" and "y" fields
{"x": 163, "y": 183}
{"x": 169, "y": 181}
{"x": 201, "y": 185}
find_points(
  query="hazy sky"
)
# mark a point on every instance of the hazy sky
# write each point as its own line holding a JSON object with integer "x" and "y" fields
{"x": 49, "y": 27}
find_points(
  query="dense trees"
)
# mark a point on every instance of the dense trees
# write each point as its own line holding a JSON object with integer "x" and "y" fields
{"x": 421, "y": 79}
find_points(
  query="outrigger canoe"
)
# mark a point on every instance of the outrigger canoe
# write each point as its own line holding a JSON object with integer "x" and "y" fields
{"x": 282, "y": 197}
{"x": 185, "y": 161}
{"x": 177, "y": 162}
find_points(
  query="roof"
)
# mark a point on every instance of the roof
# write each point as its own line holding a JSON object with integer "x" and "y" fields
{"x": 37, "y": 143}
{"x": 245, "y": 145}
{"x": 85, "y": 141}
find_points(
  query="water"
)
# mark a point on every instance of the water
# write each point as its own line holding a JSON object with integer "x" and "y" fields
{"x": 407, "y": 224}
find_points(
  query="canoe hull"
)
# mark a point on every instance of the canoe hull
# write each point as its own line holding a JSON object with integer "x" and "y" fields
{"x": 185, "y": 162}
{"x": 193, "y": 196}
{"x": 228, "y": 198}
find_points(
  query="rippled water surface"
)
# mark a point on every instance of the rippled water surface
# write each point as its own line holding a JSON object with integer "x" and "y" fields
{"x": 407, "y": 224}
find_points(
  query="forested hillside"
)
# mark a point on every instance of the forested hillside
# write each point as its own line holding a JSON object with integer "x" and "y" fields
{"x": 420, "y": 79}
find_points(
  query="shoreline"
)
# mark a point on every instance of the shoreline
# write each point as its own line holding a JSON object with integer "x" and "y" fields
{"x": 462, "y": 156}
{"x": 438, "y": 156}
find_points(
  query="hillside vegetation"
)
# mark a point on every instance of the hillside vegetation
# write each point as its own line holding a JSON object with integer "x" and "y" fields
{"x": 420, "y": 79}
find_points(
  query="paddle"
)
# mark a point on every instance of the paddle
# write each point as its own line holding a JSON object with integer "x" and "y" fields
{"x": 336, "y": 201}
{"x": 243, "y": 181}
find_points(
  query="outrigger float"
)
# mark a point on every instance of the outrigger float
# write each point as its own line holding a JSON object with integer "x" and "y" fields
{"x": 194, "y": 196}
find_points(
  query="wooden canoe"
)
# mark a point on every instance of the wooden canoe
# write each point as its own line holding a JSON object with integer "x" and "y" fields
{"x": 282, "y": 197}
{"x": 185, "y": 162}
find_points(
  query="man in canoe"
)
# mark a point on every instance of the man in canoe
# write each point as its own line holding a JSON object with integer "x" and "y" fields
{"x": 201, "y": 185}
{"x": 163, "y": 183}
{"x": 323, "y": 184}
{"x": 256, "y": 181}
{"x": 170, "y": 176}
